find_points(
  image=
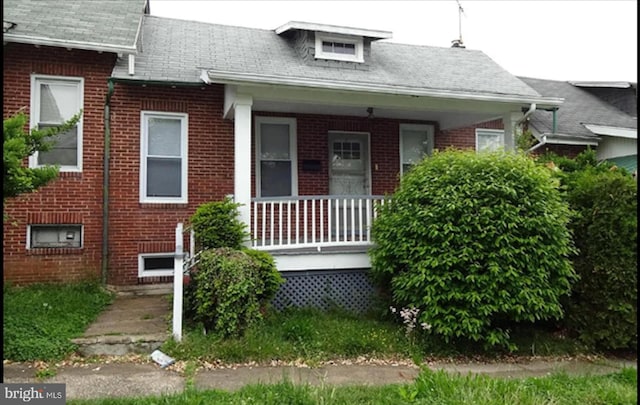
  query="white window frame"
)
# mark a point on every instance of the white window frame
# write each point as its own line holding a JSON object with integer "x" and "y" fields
{"x": 345, "y": 39}
{"x": 154, "y": 273}
{"x": 293, "y": 150}
{"x": 415, "y": 127}
{"x": 36, "y": 80}
{"x": 486, "y": 132}
{"x": 184, "y": 118}
{"x": 59, "y": 226}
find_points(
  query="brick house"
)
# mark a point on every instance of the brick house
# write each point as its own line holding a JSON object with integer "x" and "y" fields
{"x": 308, "y": 126}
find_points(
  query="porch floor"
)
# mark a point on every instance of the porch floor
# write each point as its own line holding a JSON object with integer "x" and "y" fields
{"x": 319, "y": 250}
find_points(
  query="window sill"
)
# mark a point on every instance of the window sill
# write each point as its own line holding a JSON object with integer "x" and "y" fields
{"x": 163, "y": 206}
{"x": 54, "y": 251}
{"x": 70, "y": 175}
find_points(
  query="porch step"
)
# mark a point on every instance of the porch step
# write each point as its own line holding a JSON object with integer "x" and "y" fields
{"x": 133, "y": 323}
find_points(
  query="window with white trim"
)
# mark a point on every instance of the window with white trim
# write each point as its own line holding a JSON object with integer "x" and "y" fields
{"x": 489, "y": 140}
{"x": 276, "y": 158}
{"x": 155, "y": 264}
{"x": 416, "y": 142}
{"x": 339, "y": 47}
{"x": 54, "y": 100}
{"x": 54, "y": 236}
{"x": 163, "y": 157}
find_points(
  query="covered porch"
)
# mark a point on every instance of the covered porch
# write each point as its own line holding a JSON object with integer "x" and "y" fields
{"x": 312, "y": 165}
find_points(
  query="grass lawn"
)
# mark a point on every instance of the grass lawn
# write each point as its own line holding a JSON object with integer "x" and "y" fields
{"x": 40, "y": 320}
{"x": 429, "y": 388}
{"x": 316, "y": 336}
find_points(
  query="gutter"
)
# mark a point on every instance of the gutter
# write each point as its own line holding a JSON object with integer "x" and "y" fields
{"x": 105, "y": 181}
{"x": 224, "y": 77}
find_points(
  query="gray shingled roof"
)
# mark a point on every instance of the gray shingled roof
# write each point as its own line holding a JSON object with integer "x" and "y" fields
{"x": 109, "y": 25}
{"x": 579, "y": 107}
{"x": 177, "y": 50}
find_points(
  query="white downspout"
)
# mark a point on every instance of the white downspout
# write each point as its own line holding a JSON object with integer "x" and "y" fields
{"x": 542, "y": 142}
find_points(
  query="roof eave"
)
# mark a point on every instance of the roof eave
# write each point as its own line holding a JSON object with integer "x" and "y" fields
{"x": 223, "y": 77}
{"x": 618, "y": 132}
{"x": 89, "y": 46}
{"x": 334, "y": 29}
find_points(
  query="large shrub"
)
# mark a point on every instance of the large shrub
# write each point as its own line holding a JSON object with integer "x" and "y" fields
{"x": 603, "y": 308}
{"x": 229, "y": 289}
{"x": 476, "y": 242}
{"x": 216, "y": 224}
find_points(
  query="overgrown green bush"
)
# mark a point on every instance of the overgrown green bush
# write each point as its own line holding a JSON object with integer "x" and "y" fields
{"x": 216, "y": 224}
{"x": 602, "y": 310}
{"x": 476, "y": 241}
{"x": 229, "y": 289}
{"x": 603, "y": 307}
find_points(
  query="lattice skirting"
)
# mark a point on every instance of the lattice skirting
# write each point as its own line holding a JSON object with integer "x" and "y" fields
{"x": 347, "y": 289}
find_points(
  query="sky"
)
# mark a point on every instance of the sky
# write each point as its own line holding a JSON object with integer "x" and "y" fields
{"x": 562, "y": 40}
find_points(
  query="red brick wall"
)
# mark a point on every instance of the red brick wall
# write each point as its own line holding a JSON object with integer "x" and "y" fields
{"x": 313, "y": 144}
{"x": 73, "y": 197}
{"x": 463, "y": 138}
{"x": 136, "y": 227}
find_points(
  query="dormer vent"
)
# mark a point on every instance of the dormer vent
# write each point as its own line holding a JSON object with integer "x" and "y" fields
{"x": 331, "y": 45}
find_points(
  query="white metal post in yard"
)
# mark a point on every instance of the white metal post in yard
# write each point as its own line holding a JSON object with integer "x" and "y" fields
{"x": 177, "y": 285}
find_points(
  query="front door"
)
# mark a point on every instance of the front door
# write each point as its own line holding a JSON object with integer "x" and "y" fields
{"x": 349, "y": 163}
{"x": 349, "y": 176}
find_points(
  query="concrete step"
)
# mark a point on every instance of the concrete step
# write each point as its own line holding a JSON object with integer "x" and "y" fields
{"x": 145, "y": 289}
{"x": 119, "y": 345}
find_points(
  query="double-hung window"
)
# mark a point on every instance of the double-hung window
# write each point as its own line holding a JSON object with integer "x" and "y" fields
{"x": 489, "y": 140}
{"x": 276, "y": 162}
{"x": 416, "y": 142}
{"x": 54, "y": 100}
{"x": 163, "y": 157}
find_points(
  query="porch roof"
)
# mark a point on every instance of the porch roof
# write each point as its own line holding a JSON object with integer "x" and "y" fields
{"x": 580, "y": 113}
{"x": 178, "y": 51}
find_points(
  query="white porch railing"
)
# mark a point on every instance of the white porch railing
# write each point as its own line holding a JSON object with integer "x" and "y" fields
{"x": 312, "y": 221}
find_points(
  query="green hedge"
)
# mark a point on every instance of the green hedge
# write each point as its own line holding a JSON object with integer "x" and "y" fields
{"x": 475, "y": 241}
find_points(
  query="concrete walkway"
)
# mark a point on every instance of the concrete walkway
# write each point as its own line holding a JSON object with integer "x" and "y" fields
{"x": 84, "y": 381}
{"x": 133, "y": 323}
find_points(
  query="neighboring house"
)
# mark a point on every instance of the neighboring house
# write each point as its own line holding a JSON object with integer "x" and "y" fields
{"x": 601, "y": 115}
{"x": 308, "y": 126}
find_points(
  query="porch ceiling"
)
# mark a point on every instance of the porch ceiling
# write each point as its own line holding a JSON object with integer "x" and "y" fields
{"x": 449, "y": 111}
{"x": 446, "y": 119}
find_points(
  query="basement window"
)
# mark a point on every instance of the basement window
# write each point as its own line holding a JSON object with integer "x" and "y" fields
{"x": 155, "y": 264}
{"x": 54, "y": 236}
{"x": 339, "y": 47}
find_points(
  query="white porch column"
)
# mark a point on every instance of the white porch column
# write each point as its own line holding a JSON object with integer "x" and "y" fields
{"x": 242, "y": 156}
{"x": 509, "y": 120}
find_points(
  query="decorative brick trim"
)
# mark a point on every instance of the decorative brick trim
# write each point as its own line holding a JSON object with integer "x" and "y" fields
{"x": 156, "y": 247}
{"x": 163, "y": 105}
{"x": 54, "y": 218}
